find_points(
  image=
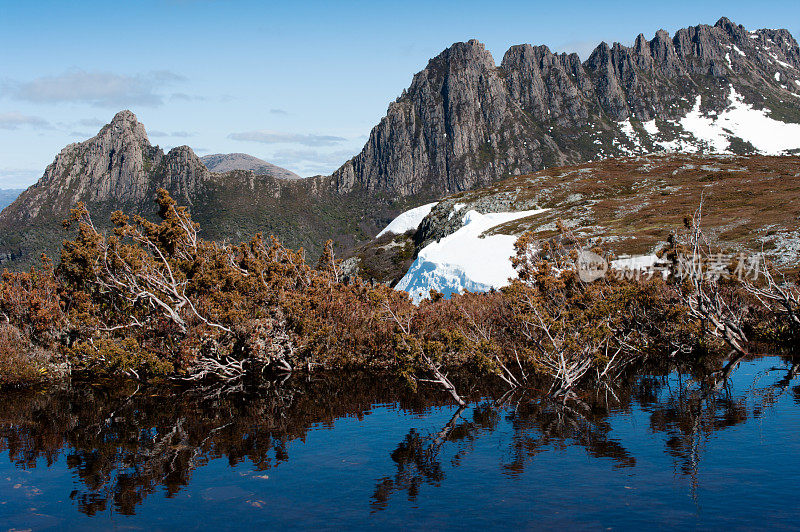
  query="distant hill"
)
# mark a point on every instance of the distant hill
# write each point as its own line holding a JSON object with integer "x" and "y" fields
{"x": 225, "y": 162}
{"x": 7, "y": 196}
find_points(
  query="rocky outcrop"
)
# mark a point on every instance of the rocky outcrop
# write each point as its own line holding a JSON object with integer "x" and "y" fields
{"x": 117, "y": 166}
{"x": 226, "y": 162}
{"x": 628, "y": 206}
{"x": 118, "y": 169}
{"x": 465, "y": 121}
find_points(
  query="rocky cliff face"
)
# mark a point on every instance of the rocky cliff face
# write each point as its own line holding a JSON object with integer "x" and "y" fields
{"x": 465, "y": 121}
{"x": 117, "y": 166}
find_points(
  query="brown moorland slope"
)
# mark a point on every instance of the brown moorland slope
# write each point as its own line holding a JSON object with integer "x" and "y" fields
{"x": 750, "y": 204}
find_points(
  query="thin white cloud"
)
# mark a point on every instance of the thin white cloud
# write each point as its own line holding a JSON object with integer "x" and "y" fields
{"x": 18, "y": 178}
{"x": 278, "y": 112}
{"x": 310, "y": 162}
{"x": 182, "y": 96}
{"x": 173, "y": 134}
{"x": 14, "y": 120}
{"x": 275, "y": 137}
{"x": 102, "y": 89}
{"x": 91, "y": 122}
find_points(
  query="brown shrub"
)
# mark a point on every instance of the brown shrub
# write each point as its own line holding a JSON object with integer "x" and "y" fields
{"x": 155, "y": 299}
{"x": 22, "y": 362}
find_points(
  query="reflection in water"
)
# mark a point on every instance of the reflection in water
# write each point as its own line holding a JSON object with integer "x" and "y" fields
{"x": 689, "y": 411}
{"x": 417, "y": 456}
{"x": 124, "y": 442}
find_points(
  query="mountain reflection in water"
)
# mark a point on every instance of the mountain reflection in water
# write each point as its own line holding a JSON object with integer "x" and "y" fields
{"x": 365, "y": 452}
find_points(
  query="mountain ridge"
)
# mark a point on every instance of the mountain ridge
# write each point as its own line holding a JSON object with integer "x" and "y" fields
{"x": 531, "y": 111}
{"x": 464, "y": 122}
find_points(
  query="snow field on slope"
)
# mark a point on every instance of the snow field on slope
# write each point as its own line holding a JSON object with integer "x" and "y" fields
{"x": 465, "y": 261}
{"x": 740, "y": 119}
{"x": 408, "y": 221}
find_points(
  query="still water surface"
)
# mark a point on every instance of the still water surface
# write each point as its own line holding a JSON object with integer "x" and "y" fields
{"x": 660, "y": 452}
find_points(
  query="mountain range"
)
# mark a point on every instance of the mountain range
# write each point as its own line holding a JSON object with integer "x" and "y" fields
{"x": 118, "y": 169}
{"x": 463, "y": 123}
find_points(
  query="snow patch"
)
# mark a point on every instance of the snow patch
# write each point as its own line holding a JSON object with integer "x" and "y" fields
{"x": 704, "y": 128}
{"x": 635, "y": 262}
{"x": 728, "y": 59}
{"x": 627, "y": 129}
{"x": 784, "y": 64}
{"x": 736, "y": 49}
{"x": 651, "y": 127}
{"x": 463, "y": 260}
{"x": 777, "y": 76}
{"x": 408, "y": 221}
{"x": 678, "y": 145}
{"x": 740, "y": 119}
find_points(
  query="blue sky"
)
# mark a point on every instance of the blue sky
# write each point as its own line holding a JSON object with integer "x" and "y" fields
{"x": 299, "y": 84}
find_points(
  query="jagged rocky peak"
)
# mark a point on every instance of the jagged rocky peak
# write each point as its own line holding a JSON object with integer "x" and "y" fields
{"x": 463, "y": 55}
{"x": 117, "y": 166}
{"x": 112, "y": 165}
{"x": 734, "y": 31}
{"x": 126, "y": 125}
{"x": 545, "y": 85}
{"x": 464, "y": 121}
{"x": 428, "y": 141}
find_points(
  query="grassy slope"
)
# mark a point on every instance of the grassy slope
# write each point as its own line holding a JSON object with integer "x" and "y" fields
{"x": 633, "y": 204}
